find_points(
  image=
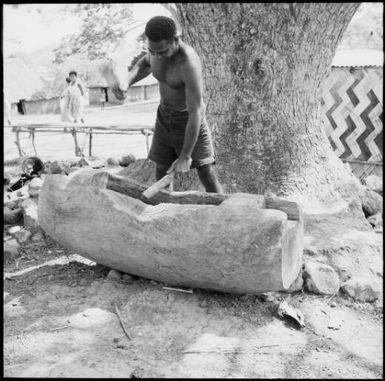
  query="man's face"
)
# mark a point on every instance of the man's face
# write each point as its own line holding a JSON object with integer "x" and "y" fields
{"x": 162, "y": 49}
{"x": 73, "y": 78}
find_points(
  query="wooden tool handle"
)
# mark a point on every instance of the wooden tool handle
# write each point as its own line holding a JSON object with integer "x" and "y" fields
{"x": 159, "y": 185}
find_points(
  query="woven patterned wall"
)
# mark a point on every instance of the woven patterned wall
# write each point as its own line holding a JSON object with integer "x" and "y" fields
{"x": 351, "y": 109}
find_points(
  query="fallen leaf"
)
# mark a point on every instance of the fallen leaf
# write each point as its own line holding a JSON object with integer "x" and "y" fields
{"x": 291, "y": 313}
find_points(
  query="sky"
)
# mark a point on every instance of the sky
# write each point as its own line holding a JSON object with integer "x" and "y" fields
{"x": 28, "y": 30}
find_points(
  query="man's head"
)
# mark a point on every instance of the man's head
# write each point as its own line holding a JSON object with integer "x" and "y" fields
{"x": 73, "y": 75}
{"x": 162, "y": 37}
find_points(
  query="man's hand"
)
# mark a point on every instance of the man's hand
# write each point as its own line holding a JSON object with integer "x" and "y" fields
{"x": 180, "y": 165}
{"x": 119, "y": 93}
{"x": 108, "y": 72}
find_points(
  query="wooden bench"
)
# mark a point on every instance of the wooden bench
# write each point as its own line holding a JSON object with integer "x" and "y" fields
{"x": 87, "y": 129}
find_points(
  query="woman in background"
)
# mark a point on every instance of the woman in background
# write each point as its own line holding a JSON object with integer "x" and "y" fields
{"x": 77, "y": 97}
{"x": 65, "y": 103}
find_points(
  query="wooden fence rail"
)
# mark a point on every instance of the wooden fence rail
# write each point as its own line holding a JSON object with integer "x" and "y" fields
{"x": 90, "y": 130}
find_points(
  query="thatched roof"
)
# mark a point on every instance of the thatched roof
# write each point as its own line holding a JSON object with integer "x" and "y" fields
{"x": 22, "y": 82}
{"x": 97, "y": 80}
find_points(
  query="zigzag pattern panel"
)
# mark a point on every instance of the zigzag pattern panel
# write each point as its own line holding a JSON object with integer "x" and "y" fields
{"x": 351, "y": 111}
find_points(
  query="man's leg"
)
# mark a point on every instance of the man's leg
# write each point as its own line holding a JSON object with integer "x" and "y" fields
{"x": 161, "y": 170}
{"x": 208, "y": 177}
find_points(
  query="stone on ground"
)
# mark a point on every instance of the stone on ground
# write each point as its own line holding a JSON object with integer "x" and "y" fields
{"x": 23, "y": 236}
{"x": 57, "y": 167}
{"x": 34, "y": 186}
{"x": 38, "y": 237}
{"x": 7, "y": 178}
{"x": 11, "y": 249}
{"x": 12, "y": 217}
{"x": 29, "y": 208}
{"x": 373, "y": 182}
{"x": 73, "y": 169}
{"x": 14, "y": 229}
{"x": 346, "y": 241}
{"x": 375, "y": 220}
{"x": 112, "y": 162}
{"x": 11, "y": 204}
{"x": 114, "y": 275}
{"x": 363, "y": 289}
{"x": 125, "y": 161}
{"x": 91, "y": 161}
{"x": 128, "y": 278}
{"x": 371, "y": 202}
{"x": 321, "y": 278}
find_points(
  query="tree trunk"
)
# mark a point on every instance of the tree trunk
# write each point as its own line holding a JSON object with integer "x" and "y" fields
{"x": 263, "y": 67}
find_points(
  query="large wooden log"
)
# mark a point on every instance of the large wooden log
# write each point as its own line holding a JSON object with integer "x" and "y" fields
{"x": 235, "y": 246}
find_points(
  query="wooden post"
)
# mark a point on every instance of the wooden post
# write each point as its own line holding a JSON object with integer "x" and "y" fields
{"x": 90, "y": 144}
{"x": 33, "y": 140}
{"x": 17, "y": 142}
{"x": 146, "y": 134}
{"x": 73, "y": 132}
{"x": 147, "y": 143}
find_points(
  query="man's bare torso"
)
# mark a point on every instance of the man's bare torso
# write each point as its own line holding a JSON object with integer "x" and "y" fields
{"x": 169, "y": 73}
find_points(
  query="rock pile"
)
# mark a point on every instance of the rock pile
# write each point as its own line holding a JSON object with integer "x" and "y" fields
{"x": 20, "y": 217}
{"x": 320, "y": 278}
{"x": 371, "y": 198}
{"x": 20, "y": 206}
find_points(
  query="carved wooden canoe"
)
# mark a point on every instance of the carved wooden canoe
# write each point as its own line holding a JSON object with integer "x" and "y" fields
{"x": 236, "y": 243}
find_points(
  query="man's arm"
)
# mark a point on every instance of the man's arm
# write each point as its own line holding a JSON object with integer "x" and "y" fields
{"x": 192, "y": 78}
{"x": 140, "y": 70}
{"x": 80, "y": 88}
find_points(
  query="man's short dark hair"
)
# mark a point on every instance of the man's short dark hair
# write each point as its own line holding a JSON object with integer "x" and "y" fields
{"x": 160, "y": 28}
{"x": 73, "y": 72}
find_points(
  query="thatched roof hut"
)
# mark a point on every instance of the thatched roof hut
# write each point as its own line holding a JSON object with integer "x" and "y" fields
{"x": 23, "y": 85}
{"x": 20, "y": 81}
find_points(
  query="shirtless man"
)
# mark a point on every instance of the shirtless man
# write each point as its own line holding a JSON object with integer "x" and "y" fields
{"x": 182, "y": 139}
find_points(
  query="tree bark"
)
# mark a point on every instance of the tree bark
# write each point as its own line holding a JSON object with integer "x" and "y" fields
{"x": 263, "y": 67}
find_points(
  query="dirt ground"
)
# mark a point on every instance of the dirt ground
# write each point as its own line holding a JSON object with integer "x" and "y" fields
{"x": 62, "y": 319}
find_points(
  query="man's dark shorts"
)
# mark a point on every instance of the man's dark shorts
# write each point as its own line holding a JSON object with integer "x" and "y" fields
{"x": 168, "y": 138}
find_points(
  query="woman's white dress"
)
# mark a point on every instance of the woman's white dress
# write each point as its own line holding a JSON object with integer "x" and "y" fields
{"x": 65, "y": 106}
{"x": 76, "y": 102}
